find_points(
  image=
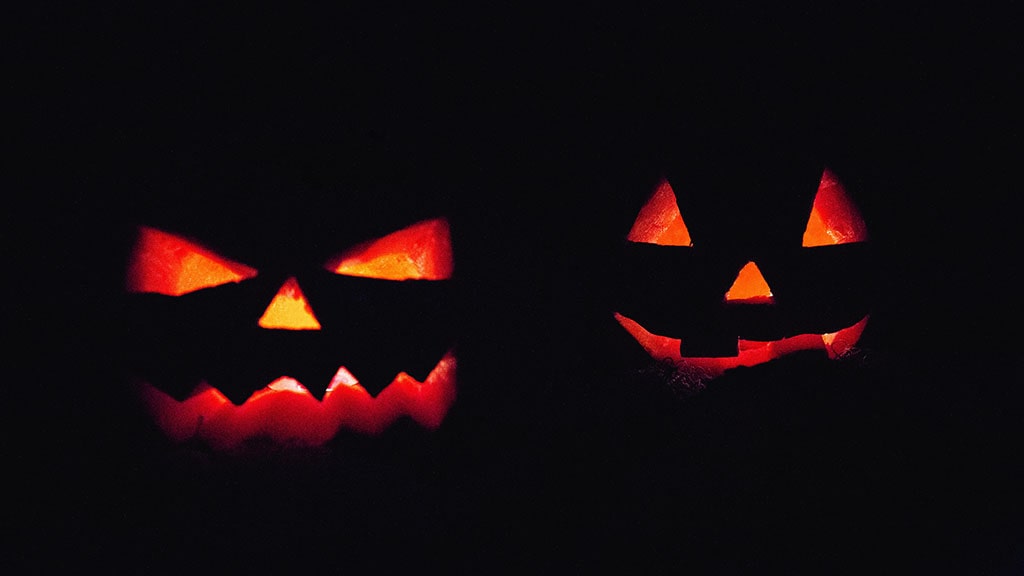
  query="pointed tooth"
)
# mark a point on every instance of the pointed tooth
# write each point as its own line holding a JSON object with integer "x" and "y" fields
{"x": 286, "y": 383}
{"x": 342, "y": 378}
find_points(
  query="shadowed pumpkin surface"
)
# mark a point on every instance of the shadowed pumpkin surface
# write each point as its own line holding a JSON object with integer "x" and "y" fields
{"x": 568, "y": 447}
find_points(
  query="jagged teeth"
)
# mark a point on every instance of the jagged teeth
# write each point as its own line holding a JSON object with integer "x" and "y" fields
{"x": 343, "y": 377}
{"x": 211, "y": 417}
{"x": 286, "y": 383}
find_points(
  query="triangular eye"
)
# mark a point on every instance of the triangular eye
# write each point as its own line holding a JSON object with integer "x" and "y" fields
{"x": 834, "y": 219}
{"x": 421, "y": 251}
{"x": 168, "y": 264}
{"x": 660, "y": 221}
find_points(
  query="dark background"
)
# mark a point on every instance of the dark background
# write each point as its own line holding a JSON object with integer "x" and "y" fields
{"x": 539, "y": 133}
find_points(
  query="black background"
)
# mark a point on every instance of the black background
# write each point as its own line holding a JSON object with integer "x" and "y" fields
{"x": 539, "y": 132}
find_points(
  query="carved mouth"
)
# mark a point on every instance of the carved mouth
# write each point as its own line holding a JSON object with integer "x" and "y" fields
{"x": 287, "y": 414}
{"x": 750, "y": 352}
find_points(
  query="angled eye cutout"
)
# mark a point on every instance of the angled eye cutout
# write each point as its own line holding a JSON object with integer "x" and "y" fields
{"x": 168, "y": 264}
{"x": 834, "y": 219}
{"x": 659, "y": 221}
{"x": 421, "y": 251}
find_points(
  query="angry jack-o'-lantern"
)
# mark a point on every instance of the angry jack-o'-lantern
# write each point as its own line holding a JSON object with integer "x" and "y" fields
{"x": 740, "y": 279}
{"x": 226, "y": 353}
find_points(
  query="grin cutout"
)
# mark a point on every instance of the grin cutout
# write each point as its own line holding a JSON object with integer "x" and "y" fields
{"x": 287, "y": 414}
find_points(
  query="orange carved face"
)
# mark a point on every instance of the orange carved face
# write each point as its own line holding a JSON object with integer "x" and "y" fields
{"x": 722, "y": 305}
{"x": 226, "y": 354}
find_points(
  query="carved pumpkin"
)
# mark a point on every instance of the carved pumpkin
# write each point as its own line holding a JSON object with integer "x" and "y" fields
{"x": 227, "y": 352}
{"x": 752, "y": 282}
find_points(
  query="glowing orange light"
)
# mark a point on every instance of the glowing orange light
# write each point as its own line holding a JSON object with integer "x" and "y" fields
{"x": 750, "y": 287}
{"x": 421, "y": 251}
{"x": 287, "y": 414}
{"x": 289, "y": 310}
{"x": 164, "y": 263}
{"x": 834, "y": 219}
{"x": 751, "y": 352}
{"x": 660, "y": 221}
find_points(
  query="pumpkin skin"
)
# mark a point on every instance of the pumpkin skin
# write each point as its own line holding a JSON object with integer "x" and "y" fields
{"x": 723, "y": 269}
{"x": 289, "y": 321}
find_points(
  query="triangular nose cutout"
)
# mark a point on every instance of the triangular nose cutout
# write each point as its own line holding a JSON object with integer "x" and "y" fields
{"x": 750, "y": 287}
{"x": 289, "y": 310}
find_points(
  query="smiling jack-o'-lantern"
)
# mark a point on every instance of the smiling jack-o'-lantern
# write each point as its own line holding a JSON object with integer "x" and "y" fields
{"x": 753, "y": 281}
{"x": 227, "y": 352}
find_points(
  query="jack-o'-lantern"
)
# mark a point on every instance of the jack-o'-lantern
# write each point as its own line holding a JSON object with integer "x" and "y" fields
{"x": 291, "y": 321}
{"x": 739, "y": 278}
